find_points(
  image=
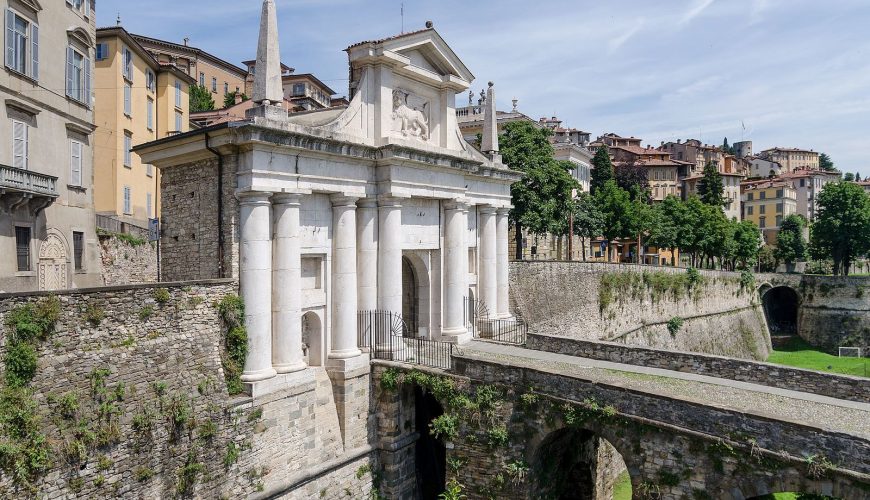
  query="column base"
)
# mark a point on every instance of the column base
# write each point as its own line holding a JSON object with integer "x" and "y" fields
{"x": 290, "y": 367}
{"x": 347, "y": 365}
{"x": 256, "y": 376}
{"x": 349, "y": 353}
{"x": 455, "y": 336}
{"x": 291, "y": 383}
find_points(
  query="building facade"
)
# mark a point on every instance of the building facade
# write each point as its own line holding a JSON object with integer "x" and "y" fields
{"x": 792, "y": 159}
{"x": 48, "y": 239}
{"x": 138, "y": 100}
{"x": 807, "y": 185}
{"x": 766, "y": 203}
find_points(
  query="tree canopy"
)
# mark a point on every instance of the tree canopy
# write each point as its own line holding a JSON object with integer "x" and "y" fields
{"x": 634, "y": 178}
{"x": 588, "y": 220}
{"x": 791, "y": 246}
{"x": 230, "y": 99}
{"x": 602, "y": 170}
{"x": 710, "y": 188}
{"x": 825, "y": 163}
{"x": 841, "y": 230}
{"x": 200, "y": 99}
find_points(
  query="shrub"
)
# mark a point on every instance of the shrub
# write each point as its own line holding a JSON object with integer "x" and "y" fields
{"x": 68, "y": 405}
{"x": 33, "y": 321}
{"x": 444, "y": 427}
{"x": 232, "y": 454}
{"x": 188, "y": 474}
{"x": 390, "y": 379}
{"x": 143, "y": 473}
{"x": 161, "y": 295}
{"x": 207, "y": 430}
{"x": 674, "y": 325}
{"x": 498, "y": 436}
{"x": 146, "y": 313}
{"x": 20, "y": 364}
{"x": 94, "y": 314}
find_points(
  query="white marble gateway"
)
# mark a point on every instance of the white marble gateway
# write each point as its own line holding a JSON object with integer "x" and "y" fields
{"x": 378, "y": 205}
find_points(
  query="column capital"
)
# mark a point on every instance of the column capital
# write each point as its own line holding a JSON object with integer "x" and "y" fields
{"x": 386, "y": 200}
{"x": 456, "y": 204}
{"x": 367, "y": 203}
{"x": 287, "y": 198}
{"x": 254, "y": 197}
{"x": 486, "y": 209}
{"x": 503, "y": 211}
{"x": 343, "y": 200}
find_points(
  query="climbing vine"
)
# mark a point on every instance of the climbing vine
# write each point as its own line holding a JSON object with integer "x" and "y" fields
{"x": 232, "y": 311}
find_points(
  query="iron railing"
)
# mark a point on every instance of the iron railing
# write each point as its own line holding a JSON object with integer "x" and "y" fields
{"x": 385, "y": 335}
{"x": 509, "y": 330}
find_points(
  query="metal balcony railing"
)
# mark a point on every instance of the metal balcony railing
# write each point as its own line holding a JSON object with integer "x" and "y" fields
{"x": 25, "y": 181}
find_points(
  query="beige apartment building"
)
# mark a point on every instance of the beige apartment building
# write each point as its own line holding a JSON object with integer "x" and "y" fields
{"x": 47, "y": 236}
{"x": 767, "y": 203}
{"x": 792, "y": 159}
{"x": 138, "y": 100}
{"x": 218, "y": 76}
{"x": 807, "y": 185}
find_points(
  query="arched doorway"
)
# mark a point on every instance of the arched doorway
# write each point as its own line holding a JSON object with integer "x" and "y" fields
{"x": 431, "y": 455}
{"x": 312, "y": 339}
{"x": 577, "y": 464}
{"x": 53, "y": 263}
{"x": 781, "y": 309}
{"x": 410, "y": 298}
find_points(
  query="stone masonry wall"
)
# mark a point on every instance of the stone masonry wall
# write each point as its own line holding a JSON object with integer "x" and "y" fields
{"x": 189, "y": 246}
{"x": 125, "y": 263}
{"x": 154, "y": 419}
{"x": 719, "y": 315}
{"x": 835, "y": 312}
{"x": 796, "y": 379}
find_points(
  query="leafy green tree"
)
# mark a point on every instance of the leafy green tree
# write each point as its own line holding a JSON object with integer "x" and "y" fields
{"x": 710, "y": 188}
{"x": 615, "y": 205}
{"x": 825, "y": 163}
{"x": 230, "y": 99}
{"x": 697, "y": 212}
{"x": 542, "y": 199}
{"x": 747, "y": 244}
{"x": 602, "y": 170}
{"x": 767, "y": 262}
{"x": 842, "y": 227}
{"x": 634, "y": 178}
{"x": 641, "y": 219}
{"x": 588, "y": 220}
{"x": 673, "y": 227}
{"x": 791, "y": 246}
{"x": 716, "y": 233}
{"x": 200, "y": 99}
{"x": 849, "y": 177}
{"x": 726, "y": 148}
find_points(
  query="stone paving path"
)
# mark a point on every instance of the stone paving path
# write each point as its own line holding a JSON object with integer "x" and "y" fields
{"x": 836, "y": 415}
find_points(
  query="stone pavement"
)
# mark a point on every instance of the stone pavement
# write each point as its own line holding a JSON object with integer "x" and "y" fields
{"x": 822, "y": 412}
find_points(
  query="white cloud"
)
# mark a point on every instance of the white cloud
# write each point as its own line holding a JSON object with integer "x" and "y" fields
{"x": 695, "y": 9}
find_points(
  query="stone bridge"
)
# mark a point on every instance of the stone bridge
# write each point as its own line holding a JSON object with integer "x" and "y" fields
{"x": 523, "y": 423}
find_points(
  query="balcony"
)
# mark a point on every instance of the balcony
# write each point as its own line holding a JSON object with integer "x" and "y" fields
{"x": 22, "y": 187}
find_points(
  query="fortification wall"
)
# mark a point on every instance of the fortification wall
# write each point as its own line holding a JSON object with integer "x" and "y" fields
{"x": 712, "y": 312}
{"x": 127, "y": 261}
{"x": 130, "y": 396}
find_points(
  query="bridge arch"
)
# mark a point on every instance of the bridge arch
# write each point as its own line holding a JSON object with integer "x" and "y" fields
{"x": 781, "y": 305}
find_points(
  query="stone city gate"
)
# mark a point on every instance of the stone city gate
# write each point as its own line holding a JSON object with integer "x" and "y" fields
{"x": 515, "y": 432}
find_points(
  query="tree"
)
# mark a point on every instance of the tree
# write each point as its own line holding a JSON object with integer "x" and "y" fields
{"x": 588, "y": 220}
{"x": 767, "y": 262}
{"x": 747, "y": 243}
{"x": 672, "y": 226}
{"x": 728, "y": 150}
{"x": 841, "y": 231}
{"x": 641, "y": 218}
{"x": 230, "y": 99}
{"x": 615, "y": 205}
{"x": 633, "y": 177}
{"x": 602, "y": 170}
{"x": 710, "y": 188}
{"x": 542, "y": 199}
{"x": 849, "y": 177}
{"x": 200, "y": 99}
{"x": 825, "y": 163}
{"x": 791, "y": 246}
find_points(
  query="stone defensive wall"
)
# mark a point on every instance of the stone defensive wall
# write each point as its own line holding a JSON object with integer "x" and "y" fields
{"x": 130, "y": 399}
{"x": 127, "y": 260}
{"x": 795, "y": 379}
{"x": 834, "y": 311}
{"x": 712, "y": 312}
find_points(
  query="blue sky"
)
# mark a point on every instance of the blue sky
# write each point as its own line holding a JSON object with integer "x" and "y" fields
{"x": 795, "y": 72}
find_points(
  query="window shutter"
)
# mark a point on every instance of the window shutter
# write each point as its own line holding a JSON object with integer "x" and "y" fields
{"x": 19, "y": 144}
{"x": 70, "y": 72}
{"x": 127, "y": 99}
{"x": 34, "y": 37}
{"x": 87, "y": 97}
{"x": 76, "y": 163}
{"x": 10, "y": 37}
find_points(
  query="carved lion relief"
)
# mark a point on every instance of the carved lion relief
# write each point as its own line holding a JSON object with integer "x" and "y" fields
{"x": 410, "y": 115}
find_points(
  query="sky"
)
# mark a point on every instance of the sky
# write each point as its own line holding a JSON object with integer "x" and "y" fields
{"x": 788, "y": 73}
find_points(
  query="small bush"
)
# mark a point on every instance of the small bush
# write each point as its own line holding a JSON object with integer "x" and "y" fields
{"x": 207, "y": 430}
{"x": 498, "y": 436}
{"x": 94, "y": 314}
{"x": 232, "y": 454}
{"x": 188, "y": 474}
{"x": 390, "y": 379}
{"x": 143, "y": 474}
{"x": 146, "y": 313}
{"x": 674, "y": 325}
{"x": 20, "y": 364}
{"x": 444, "y": 427}
{"x": 68, "y": 405}
{"x": 161, "y": 295}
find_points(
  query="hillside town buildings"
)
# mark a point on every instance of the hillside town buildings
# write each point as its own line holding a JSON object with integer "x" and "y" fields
{"x": 792, "y": 159}
{"x": 766, "y": 203}
{"x": 48, "y": 239}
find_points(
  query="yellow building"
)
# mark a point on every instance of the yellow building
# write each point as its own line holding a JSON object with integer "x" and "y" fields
{"x": 138, "y": 100}
{"x": 766, "y": 203}
{"x": 792, "y": 159}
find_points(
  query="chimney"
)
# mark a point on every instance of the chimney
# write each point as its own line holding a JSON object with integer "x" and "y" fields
{"x": 238, "y": 98}
{"x": 489, "y": 141}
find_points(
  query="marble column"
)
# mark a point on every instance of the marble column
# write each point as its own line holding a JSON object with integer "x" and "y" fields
{"x": 344, "y": 288}
{"x": 255, "y": 282}
{"x": 487, "y": 279}
{"x": 286, "y": 285}
{"x": 454, "y": 327}
{"x": 501, "y": 262}
{"x": 390, "y": 254}
{"x": 367, "y": 253}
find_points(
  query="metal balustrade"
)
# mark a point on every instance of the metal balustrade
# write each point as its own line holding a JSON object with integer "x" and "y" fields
{"x": 385, "y": 335}
{"x": 509, "y": 330}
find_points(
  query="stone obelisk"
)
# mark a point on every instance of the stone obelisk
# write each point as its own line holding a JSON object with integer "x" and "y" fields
{"x": 489, "y": 139}
{"x": 268, "y": 92}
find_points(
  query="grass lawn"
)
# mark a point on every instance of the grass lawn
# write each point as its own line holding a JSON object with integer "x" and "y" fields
{"x": 802, "y": 355}
{"x": 622, "y": 487}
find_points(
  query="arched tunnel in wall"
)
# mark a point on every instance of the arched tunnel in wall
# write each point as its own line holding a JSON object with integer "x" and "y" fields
{"x": 781, "y": 310}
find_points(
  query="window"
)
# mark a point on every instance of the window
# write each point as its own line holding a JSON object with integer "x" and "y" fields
{"x": 127, "y": 66}
{"x": 749, "y": 210}
{"x": 750, "y": 196}
{"x": 78, "y": 76}
{"x": 202, "y": 79}
{"x": 762, "y": 195}
{"x": 148, "y": 204}
{"x": 102, "y": 52}
{"x": 150, "y": 113}
{"x": 78, "y": 249}
{"x": 761, "y": 208}
{"x": 178, "y": 121}
{"x": 128, "y": 99}
{"x": 298, "y": 89}
{"x": 779, "y": 208}
{"x": 75, "y": 163}
{"x": 150, "y": 81}
{"x": 149, "y": 170}
{"x": 128, "y": 145}
{"x": 762, "y": 222}
{"x": 22, "y": 247}
{"x": 803, "y": 182}
{"x": 779, "y": 220}
{"x": 19, "y": 144}
{"x": 226, "y": 88}
{"x": 177, "y": 94}
{"x": 127, "y": 204}
{"x": 214, "y": 84}
{"x": 779, "y": 193}
{"x": 22, "y": 45}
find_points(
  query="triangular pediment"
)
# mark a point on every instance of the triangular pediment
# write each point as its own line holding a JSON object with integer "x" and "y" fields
{"x": 427, "y": 50}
